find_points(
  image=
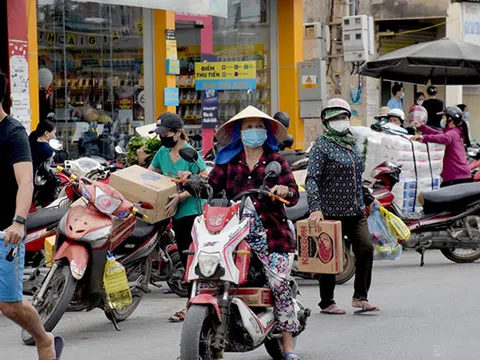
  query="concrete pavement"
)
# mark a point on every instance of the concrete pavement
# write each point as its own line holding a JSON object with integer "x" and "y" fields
{"x": 426, "y": 313}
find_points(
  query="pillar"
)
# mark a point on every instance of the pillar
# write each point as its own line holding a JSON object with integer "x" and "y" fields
{"x": 162, "y": 20}
{"x": 17, "y": 35}
{"x": 33, "y": 62}
{"x": 290, "y": 52}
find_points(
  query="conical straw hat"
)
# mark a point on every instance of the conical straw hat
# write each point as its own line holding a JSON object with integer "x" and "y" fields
{"x": 226, "y": 131}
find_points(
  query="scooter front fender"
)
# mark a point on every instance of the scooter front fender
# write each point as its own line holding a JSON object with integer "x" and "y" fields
{"x": 77, "y": 256}
{"x": 207, "y": 300}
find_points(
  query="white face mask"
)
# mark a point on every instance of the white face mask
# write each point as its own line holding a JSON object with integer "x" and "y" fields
{"x": 339, "y": 125}
{"x": 419, "y": 102}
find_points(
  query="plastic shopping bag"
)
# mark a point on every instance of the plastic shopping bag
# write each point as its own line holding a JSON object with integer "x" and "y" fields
{"x": 395, "y": 225}
{"x": 385, "y": 243}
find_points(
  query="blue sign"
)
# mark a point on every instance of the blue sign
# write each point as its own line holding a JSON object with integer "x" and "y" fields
{"x": 173, "y": 67}
{"x": 227, "y": 84}
{"x": 209, "y": 109}
{"x": 171, "y": 96}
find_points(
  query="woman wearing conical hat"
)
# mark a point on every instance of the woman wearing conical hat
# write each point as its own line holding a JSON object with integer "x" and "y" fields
{"x": 250, "y": 142}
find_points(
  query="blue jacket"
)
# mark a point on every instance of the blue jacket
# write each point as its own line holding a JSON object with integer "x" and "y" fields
{"x": 334, "y": 180}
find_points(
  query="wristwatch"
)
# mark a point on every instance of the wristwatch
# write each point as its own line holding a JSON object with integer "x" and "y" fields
{"x": 19, "y": 219}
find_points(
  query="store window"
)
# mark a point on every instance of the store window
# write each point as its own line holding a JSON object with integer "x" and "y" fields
{"x": 243, "y": 36}
{"x": 91, "y": 73}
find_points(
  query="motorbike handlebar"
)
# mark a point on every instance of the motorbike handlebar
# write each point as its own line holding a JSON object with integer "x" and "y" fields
{"x": 261, "y": 192}
{"x": 139, "y": 214}
{"x": 66, "y": 173}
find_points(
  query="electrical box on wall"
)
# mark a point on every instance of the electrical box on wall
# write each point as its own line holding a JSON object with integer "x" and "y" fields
{"x": 312, "y": 85}
{"x": 316, "y": 41}
{"x": 358, "y": 37}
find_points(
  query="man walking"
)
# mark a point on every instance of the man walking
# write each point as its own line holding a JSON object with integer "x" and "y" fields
{"x": 16, "y": 183}
{"x": 434, "y": 107}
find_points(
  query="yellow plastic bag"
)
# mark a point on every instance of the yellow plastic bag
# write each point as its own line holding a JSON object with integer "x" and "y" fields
{"x": 395, "y": 224}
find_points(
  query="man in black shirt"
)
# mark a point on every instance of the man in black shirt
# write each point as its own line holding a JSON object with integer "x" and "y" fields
{"x": 433, "y": 107}
{"x": 16, "y": 183}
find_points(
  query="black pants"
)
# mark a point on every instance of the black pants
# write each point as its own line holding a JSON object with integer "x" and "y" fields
{"x": 183, "y": 236}
{"x": 356, "y": 229}
{"x": 456, "y": 182}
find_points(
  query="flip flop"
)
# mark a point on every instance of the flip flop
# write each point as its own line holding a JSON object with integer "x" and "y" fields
{"x": 179, "y": 316}
{"x": 59, "y": 344}
{"x": 291, "y": 356}
{"x": 368, "y": 310}
{"x": 334, "y": 310}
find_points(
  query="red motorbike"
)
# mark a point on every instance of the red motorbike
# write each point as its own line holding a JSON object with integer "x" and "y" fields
{"x": 85, "y": 235}
{"x": 450, "y": 221}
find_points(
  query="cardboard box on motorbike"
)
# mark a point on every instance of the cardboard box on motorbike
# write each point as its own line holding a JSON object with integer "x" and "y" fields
{"x": 139, "y": 184}
{"x": 320, "y": 248}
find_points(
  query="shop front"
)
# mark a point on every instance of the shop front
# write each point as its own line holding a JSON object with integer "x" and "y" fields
{"x": 106, "y": 67}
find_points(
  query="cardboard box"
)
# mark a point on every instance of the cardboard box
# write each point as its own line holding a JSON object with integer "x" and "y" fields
{"x": 139, "y": 184}
{"x": 320, "y": 249}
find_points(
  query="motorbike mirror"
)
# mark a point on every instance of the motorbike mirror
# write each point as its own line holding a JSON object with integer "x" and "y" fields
{"x": 273, "y": 169}
{"x": 189, "y": 154}
{"x": 288, "y": 142}
{"x": 55, "y": 144}
{"x": 119, "y": 150}
{"x": 197, "y": 137}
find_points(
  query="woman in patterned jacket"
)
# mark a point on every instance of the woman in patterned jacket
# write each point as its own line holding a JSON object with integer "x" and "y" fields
{"x": 335, "y": 192}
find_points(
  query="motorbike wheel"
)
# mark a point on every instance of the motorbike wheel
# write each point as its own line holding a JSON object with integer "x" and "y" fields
{"x": 176, "y": 281}
{"x": 274, "y": 347}
{"x": 198, "y": 333}
{"x": 471, "y": 224}
{"x": 57, "y": 297}
{"x": 137, "y": 274}
{"x": 457, "y": 256}
{"x": 348, "y": 267}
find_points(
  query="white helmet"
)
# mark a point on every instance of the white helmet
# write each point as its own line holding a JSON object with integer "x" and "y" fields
{"x": 339, "y": 105}
{"x": 398, "y": 113}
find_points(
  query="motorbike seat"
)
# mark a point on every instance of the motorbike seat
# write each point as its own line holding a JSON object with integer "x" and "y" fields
{"x": 300, "y": 210}
{"x": 142, "y": 232}
{"x": 451, "y": 197}
{"x": 44, "y": 217}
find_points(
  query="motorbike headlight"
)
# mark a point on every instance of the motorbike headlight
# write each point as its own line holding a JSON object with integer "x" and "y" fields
{"x": 208, "y": 263}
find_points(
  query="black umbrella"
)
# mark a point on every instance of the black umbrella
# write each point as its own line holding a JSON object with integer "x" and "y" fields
{"x": 444, "y": 62}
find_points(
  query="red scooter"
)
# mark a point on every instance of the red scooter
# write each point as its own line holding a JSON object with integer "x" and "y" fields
{"x": 85, "y": 235}
{"x": 450, "y": 221}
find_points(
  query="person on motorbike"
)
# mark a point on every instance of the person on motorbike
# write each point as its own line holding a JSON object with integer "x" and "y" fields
{"x": 252, "y": 137}
{"x": 182, "y": 206}
{"x": 454, "y": 135}
{"x": 39, "y": 138}
{"x": 335, "y": 192}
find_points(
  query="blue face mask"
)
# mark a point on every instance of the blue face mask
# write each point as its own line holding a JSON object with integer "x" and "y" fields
{"x": 466, "y": 115}
{"x": 443, "y": 123}
{"x": 254, "y": 137}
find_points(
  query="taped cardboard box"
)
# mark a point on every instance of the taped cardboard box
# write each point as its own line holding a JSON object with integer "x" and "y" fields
{"x": 320, "y": 248}
{"x": 139, "y": 184}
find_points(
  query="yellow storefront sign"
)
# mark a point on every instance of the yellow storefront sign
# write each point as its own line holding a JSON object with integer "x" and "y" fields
{"x": 225, "y": 70}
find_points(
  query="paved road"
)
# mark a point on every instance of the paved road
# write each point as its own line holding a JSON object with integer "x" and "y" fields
{"x": 427, "y": 313}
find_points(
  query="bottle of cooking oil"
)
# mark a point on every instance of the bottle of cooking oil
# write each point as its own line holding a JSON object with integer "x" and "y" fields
{"x": 116, "y": 284}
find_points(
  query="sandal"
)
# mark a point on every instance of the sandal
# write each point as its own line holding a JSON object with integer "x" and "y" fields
{"x": 333, "y": 310}
{"x": 178, "y": 316}
{"x": 364, "y": 306}
{"x": 291, "y": 356}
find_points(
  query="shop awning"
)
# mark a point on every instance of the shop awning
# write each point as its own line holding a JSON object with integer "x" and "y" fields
{"x": 197, "y": 7}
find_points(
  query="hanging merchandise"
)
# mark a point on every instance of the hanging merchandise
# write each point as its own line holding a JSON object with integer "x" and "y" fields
{"x": 116, "y": 284}
{"x": 385, "y": 244}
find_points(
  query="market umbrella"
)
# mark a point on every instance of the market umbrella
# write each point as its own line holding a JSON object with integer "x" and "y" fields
{"x": 442, "y": 62}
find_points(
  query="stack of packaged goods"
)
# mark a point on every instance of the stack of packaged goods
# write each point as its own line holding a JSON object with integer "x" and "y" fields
{"x": 421, "y": 164}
